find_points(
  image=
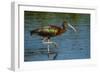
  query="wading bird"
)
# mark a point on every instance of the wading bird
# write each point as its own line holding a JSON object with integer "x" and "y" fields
{"x": 51, "y": 31}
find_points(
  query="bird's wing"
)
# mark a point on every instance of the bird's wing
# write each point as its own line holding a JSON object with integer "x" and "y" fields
{"x": 50, "y": 29}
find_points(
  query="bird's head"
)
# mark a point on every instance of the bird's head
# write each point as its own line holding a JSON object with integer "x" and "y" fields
{"x": 66, "y": 24}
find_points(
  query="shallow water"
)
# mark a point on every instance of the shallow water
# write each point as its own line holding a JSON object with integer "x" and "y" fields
{"x": 71, "y": 45}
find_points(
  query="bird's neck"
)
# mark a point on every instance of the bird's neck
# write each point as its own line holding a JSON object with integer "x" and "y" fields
{"x": 64, "y": 28}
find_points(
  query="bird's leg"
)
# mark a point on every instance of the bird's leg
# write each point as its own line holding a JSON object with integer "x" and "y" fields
{"x": 44, "y": 39}
{"x": 54, "y": 43}
{"x": 47, "y": 42}
{"x": 48, "y": 46}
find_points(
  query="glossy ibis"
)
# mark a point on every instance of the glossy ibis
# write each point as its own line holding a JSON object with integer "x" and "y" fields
{"x": 51, "y": 31}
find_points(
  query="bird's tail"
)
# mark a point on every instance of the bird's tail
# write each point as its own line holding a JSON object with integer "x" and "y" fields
{"x": 32, "y": 32}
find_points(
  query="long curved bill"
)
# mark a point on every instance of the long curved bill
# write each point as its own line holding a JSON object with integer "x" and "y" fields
{"x": 72, "y": 27}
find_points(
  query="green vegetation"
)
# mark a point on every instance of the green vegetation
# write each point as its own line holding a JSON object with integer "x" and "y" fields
{"x": 33, "y": 18}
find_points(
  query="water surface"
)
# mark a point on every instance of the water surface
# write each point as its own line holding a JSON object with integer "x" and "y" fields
{"x": 71, "y": 45}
